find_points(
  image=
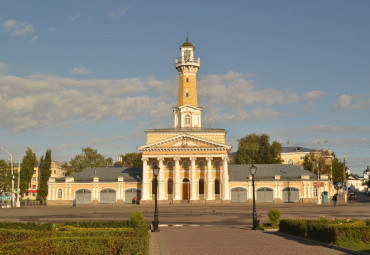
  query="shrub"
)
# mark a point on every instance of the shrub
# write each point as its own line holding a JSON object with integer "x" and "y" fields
{"x": 137, "y": 219}
{"x": 99, "y": 224}
{"x": 28, "y": 225}
{"x": 274, "y": 216}
{"x": 323, "y": 219}
{"x": 295, "y": 227}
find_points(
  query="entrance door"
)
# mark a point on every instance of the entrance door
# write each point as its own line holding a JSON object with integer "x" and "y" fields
{"x": 130, "y": 194}
{"x": 186, "y": 189}
{"x": 265, "y": 195}
{"x": 107, "y": 196}
{"x": 83, "y": 196}
{"x": 291, "y": 195}
{"x": 239, "y": 195}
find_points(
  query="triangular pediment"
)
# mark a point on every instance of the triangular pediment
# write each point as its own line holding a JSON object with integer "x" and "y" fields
{"x": 184, "y": 141}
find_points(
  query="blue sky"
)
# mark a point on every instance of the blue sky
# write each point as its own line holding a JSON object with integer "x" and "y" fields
{"x": 99, "y": 73}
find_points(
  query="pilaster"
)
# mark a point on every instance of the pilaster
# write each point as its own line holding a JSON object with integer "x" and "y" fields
{"x": 225, "y": 177}
{"x": 193, "y": 182}
{"x": 161, "y": 179}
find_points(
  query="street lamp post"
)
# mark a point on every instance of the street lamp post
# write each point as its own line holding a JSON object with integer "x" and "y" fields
{"x": 11, "y": 167}
{"x": 155, "y": 222}
{"x": 253, "y": 170}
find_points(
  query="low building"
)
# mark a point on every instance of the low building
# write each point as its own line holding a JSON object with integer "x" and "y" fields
{"x": 273, "y": 183}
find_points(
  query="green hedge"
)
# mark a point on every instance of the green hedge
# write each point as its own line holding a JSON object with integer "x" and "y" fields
{"x": 87, "y": 237}
{"x": 74, "y": 245}
{"x": 356, "y": 231}
{"x": 28, "y": 225}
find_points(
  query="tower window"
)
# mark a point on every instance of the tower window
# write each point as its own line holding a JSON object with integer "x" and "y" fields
{"x": 187, "y": 119}
{"x": 187, "y": 92}
{"x": 187, "y": 79}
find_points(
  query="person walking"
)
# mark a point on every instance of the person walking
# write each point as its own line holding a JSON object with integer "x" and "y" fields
{"x": 335, "y": 198}
{"x": 74, "y": 202}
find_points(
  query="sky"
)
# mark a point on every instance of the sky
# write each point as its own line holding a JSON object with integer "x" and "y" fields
{"x": 98, "y": 73}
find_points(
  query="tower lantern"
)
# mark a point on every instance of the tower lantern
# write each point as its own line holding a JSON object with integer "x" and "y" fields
{"x": 187, "y": 114}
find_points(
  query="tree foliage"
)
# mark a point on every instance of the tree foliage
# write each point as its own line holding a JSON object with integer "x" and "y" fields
{"x": 45, "y": 172}
{"x": 89, "y": 158}
{"x": 256, "y": 149}
{"x": 29, "y": 162}
{"x": 132, "y": 160}
{"x": 5, "y": 176}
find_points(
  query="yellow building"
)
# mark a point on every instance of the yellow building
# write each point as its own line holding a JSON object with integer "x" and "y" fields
{"x": 193, "y": 164}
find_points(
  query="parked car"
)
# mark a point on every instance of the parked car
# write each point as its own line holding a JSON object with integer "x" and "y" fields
{"x": 352, "y": 196}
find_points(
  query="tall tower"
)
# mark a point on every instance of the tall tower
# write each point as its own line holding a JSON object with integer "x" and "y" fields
{"x": 187, "y": 114}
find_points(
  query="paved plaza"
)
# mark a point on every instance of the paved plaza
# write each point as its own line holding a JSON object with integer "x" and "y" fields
{"x": 203, "y": 229}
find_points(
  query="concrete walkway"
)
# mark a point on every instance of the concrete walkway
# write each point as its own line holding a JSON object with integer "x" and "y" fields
{"x": 228, "y": 240}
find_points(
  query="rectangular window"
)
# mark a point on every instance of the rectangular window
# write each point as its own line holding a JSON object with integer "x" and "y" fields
{"x": 187, "y": 79}
{"x": 34, "y": 171}
{"x": 34, "y": 179}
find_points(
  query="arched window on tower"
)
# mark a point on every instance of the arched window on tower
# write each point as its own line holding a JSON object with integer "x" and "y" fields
{"x": 187, "y": 92}
{"x": 187, "y": 120}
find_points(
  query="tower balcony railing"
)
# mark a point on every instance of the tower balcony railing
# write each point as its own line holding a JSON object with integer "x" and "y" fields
{"x": 187, "y": 60}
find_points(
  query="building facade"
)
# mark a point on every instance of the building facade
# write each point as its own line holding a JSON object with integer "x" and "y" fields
{"x": 193, "y": 161}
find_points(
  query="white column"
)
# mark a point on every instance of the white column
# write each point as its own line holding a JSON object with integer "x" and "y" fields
{"x": 193, "y": 181}
{"x": 309, "y": 190}
{"x": 161, "y": 180}
{"x": 250, "y": 189}
{"x": 70, "y": 192}
{"x": 145, "y": 180}
{"x": 177, "y": 179}
{"x": 65, "y": 195}
{"x": 225, "y": 177}
{"x": 209, "y": 179}
{"x": 49, "y": 193}
{"x": 54, "y": 192}
{"x": 304, "y": 190}
{"x": 276, "y": 191}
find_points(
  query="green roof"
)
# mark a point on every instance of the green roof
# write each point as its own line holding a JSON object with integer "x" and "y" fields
{"x": 187, "y": 43}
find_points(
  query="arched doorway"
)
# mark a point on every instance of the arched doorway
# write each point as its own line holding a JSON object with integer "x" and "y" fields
{"x": 130, "y": 194}
{"x": 186, "y": 189}
{"x": 108, "y": 196}
{"x": 83, "y": 196}
{"x": 217, "y": 189}
{"x": 239, "y": 195}
{"x": 170, "y": 189}
{"x": 265, "y": 195}
{"x": 201, "y": 189}
{"x": 290, "y": 195}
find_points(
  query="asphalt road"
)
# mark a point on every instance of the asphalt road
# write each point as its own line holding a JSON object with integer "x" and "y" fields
{"x": 224, "y": 214}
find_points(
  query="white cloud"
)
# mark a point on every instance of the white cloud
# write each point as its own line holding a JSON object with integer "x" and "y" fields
{"x": 17, "y": 28}
{"x": 117, "y": 14}
{"x": 343, "y": 102}
{"x": 34, "y": 38}
{"x": 80, "y": 70}
{"x": 354, "y": 102}
{"x": 41, "y": 101}
{"x": 234, "y": 97}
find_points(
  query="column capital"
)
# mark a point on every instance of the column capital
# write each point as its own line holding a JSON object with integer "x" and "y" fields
{"x": 145, "y": 159}
{"x": 226, "y": 158}
{"x": 193, "y": 158}
{"x": 160, "y": 158}
{"x": 177, "y": 158}
{"x": 209, "y": 158}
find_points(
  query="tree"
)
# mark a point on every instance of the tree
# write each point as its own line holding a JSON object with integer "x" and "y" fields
{"x": 337, "y": 171}
{"x": 29, "y": 162}
{"x": 45, "y": 172}
{"x": 256, "y": 149}
{"x": 316, "y": 156}
{"x": 132, "y": 160}
{"x": 367, "y": 183}
{"x": 89, "y": 158}
{"x": 5, "y": 176}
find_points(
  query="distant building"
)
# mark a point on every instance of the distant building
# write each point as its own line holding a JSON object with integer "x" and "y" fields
{"x": 56, "y": 172}
{"x": 357, "y": 184}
